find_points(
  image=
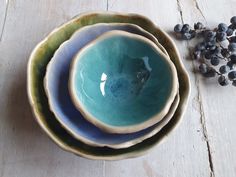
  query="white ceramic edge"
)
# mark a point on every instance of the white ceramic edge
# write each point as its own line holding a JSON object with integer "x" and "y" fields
{"x": 122, "y": 129}
{"x": 71, "y": 149}
{"x": 74, "y": 134}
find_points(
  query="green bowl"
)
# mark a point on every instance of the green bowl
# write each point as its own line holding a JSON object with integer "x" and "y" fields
{"x": 44, "y": 51}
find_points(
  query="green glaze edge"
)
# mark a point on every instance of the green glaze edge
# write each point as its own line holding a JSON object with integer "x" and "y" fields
{"x": 44, "y": 51}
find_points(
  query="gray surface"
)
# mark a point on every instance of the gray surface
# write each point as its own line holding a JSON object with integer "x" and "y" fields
{"x": 204, "y": 144}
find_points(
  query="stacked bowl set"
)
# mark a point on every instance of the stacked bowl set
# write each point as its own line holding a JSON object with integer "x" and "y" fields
{"x": 107, "y": 85}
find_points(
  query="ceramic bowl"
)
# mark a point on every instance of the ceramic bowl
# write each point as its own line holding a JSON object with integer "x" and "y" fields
{"x": 122, "y": 82}
{"x": 44, "y": 51}
{"x": 61, "y": 105}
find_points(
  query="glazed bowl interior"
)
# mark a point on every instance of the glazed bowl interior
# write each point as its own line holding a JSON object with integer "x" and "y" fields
{"x": 122, "y": 82}
{"x": 43, "y": 53}
{"x": 60, "y": 103}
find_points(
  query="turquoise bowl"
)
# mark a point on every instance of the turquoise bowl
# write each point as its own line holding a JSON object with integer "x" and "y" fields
{"x": 122, "y": 82}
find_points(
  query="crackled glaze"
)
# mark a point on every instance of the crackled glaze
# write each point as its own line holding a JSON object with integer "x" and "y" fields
{"x": 122, "y": 83}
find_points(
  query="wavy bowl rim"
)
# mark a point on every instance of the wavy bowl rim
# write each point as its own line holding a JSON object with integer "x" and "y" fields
{"x": 73, "y": 150}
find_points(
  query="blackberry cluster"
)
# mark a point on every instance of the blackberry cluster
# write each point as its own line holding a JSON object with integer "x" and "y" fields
{"x": 216, "y": 52}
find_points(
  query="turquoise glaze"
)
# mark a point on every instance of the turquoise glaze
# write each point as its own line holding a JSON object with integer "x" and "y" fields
{"x": 121, "y": 81}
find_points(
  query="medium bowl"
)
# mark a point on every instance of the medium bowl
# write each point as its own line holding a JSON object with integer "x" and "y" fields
{"x": 44, "y": 51}
{"x": 122, "y": 82}
{"x": 56, "y": 80}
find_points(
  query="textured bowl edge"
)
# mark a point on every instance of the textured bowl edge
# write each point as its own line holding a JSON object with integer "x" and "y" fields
{"x": 117, "y": 157}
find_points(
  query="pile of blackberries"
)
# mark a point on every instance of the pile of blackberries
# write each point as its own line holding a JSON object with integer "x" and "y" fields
{"x": 216, "y": 53}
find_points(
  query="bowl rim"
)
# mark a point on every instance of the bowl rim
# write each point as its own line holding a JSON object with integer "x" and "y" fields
{"x": 157, "y": 117}
{"x": 83, "y": 139}
{"x": 39, "y": 116}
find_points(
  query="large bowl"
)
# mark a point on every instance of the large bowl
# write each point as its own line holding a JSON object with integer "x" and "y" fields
{"x": 61, "y": 105}
{"x": 122, "y": 82}
{"x": 44, "y": 51}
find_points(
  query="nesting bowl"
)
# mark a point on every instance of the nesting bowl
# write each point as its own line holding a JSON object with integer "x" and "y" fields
{"x": 36, "y": 71}
{"x": 60, "y": 103}
{"x": 122, "y": 82}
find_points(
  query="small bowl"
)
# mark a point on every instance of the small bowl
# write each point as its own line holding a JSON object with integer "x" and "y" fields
{"x": 122, "y": 82}
{"x": 42, "y": 54}
{"x": 56, "y": 80}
